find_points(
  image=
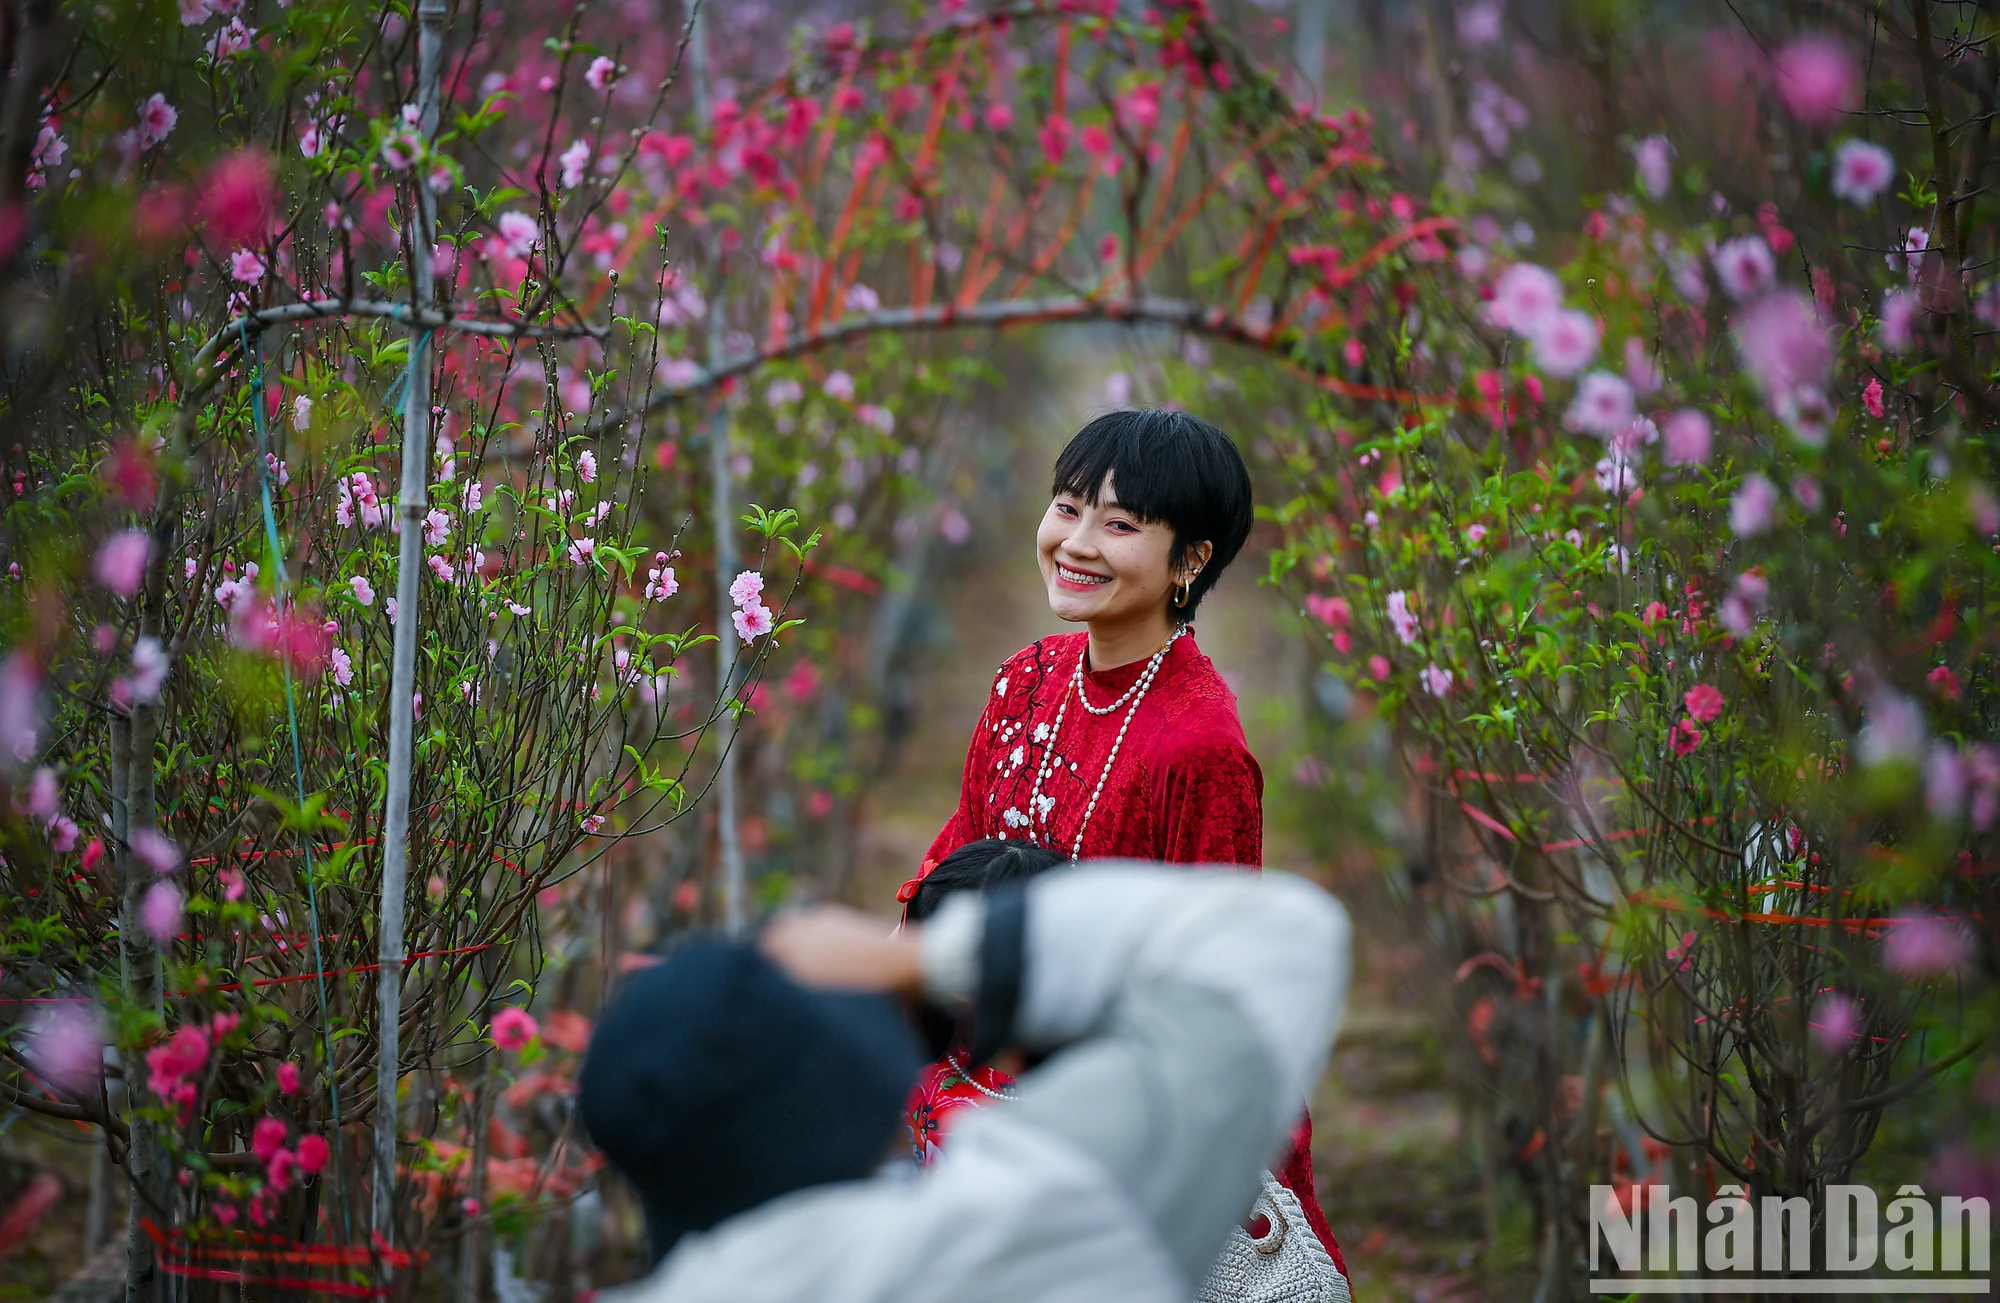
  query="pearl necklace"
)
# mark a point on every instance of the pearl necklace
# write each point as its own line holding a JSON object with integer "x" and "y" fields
{"x": 1135, "y": 694}
{"x": 965, "y": 1075}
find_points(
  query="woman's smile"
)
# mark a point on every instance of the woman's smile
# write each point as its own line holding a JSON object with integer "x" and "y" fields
{"x": 1081, "y": 580}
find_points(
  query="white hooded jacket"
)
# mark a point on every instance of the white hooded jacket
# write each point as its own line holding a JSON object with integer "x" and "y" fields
{"x": 1188, "y": 1010}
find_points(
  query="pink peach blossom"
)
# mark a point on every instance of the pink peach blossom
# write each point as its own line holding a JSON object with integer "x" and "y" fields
{"x": 519, "y": 233}
{"x": 1054, "y": 137}
{"x": 1923, "y": 944}
{"x": 121, "y": 561}
{"x": 1944, "y": 780}
{"x": 752, "y": 621}
{"x": 313, "y": 1153}
{"x": 268, "y": 1137}
{"x": 1402, "y": 620}
{"x": 1893, "y": 728}
{"x": 1817, "y": 78}
{"x": 660, "y": 585}
{"x": 156, "y": 120}
{"x": 746, "y": 588}
{"x": 1654, "y": 157}
{"x": 1333, "y": 612}
{"x": 160, "y": 911}
{"x": 513, "y": 1028}
{"x": 182, "y": 1055}
{"x": 1871, "y": 397}
{"x": 1784, "y": 343}
{"x": 64, "y": 1046}
{"x": 236, "y": 197}
{"x": 1754, "y": 507}
{"x": 155, "y": 849}
{"x": 1639, "y": 368}
{"x": 1525, "y": 298}
{"x": 1615, "y": 476}
{"x": 1703, "y": 701}
{"x": 1835, "y": 1023}
{"x": 1687, "y": 437}
{"x": 1745, "y": 267}
{"x": 1861, "y": 171}
{"x": 1603, "y": 405}
{"x": 1564, "y": 344}
{"x": 1897, "y": 322}
{"x": 573, "y": 162}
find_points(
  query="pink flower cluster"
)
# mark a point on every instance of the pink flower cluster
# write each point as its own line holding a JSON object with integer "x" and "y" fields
{"x": 1861, "y": 171}
{"x": 170, "y": 1065}
{"x": 1921, "y": 945}
{"x": 64, "y": 1046}
{"x": 1704, "y": 701}
{"x": 1817, "y": 78}
{"x": 1754, "y": 508}
{"x": 282, "y": 1163}
{"x": 1786, "y": 345}
{"x": 1402, "y": 619}
{"x": 660, "y": 581}
{"x": 1740, "y": 608}
{"x": 518, "y": 233}
{"x": 1528, "y": 300}
{"x": 120, "y": 564}
{"x": 513, "y": 1028}
{"x": 358, "y": 501}
{"x": 751, "y": 617}
{"x": 1335, "y": 614}
{"x": 1963, "y": 781}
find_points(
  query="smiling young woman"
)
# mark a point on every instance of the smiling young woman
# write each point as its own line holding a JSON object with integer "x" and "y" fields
{"x": 1122, "y": 740}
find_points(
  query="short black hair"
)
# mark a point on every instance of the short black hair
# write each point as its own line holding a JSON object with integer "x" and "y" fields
{"x": 1171, "y": 468}
{"x": 975, "y": 866}
{"x": 978, "y": 866}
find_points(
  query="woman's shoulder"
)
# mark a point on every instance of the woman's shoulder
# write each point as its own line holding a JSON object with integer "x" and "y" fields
{"x": 1200, "y": 719}
{"x": 1032, "y": 664}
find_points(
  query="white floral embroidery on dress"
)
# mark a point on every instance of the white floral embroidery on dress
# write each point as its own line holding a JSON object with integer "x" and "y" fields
{"x": 1017, "y": 757}
{"x": 1044, "y": 804}
{"x": 1042, "y": 732}
{"x": 1000, "y": 686}
{"x": 1014, "y": 818}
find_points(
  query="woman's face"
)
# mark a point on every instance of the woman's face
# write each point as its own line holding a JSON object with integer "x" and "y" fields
{"x": 1102, "y": 563}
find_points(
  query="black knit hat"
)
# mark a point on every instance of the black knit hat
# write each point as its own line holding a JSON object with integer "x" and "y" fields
{"x": 716, "y": 1083}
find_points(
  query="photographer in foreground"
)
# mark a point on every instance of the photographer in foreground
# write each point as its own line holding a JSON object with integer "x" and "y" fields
{"x": 752, "y": 1093}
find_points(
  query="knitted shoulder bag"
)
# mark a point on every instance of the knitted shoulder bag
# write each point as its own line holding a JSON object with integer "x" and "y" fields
{"x": 1286, "y": 1264}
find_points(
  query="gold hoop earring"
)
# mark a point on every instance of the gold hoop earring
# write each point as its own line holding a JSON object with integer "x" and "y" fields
{"x": 1182, "y": 600}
